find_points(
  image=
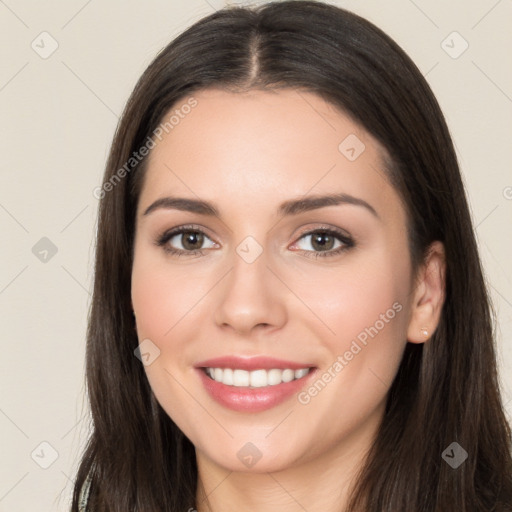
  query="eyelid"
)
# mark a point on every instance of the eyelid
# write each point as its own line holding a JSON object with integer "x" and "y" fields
{"x": 185, "y": 227}
{"x": 324, "y": 227}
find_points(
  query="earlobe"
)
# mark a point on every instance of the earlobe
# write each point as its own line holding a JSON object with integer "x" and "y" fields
{"x": 429, "y": 295}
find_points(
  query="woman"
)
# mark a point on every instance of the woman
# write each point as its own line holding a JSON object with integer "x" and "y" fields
{"x": 289, "y": 311}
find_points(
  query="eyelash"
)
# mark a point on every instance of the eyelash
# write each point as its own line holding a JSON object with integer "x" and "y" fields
{"x": 347, "y": 241}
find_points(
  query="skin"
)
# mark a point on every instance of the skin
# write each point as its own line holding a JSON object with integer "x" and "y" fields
{"x": 247, "y": 153}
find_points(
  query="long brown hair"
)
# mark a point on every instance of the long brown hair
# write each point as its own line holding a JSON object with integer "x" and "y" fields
{"x": 446, "y": 390}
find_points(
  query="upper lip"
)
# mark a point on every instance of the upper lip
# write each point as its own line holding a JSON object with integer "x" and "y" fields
{"x": 251, "y": 363}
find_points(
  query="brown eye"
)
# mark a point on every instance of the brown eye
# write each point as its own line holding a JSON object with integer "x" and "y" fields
{"x": 192, "y": 240}
{"x": 185, "y": 241}
{"x": 321, "y": 241}
{"x": 324, "y": 242}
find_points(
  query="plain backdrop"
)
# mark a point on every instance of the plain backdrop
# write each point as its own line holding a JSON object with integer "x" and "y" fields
{"x": 67, "y": 69}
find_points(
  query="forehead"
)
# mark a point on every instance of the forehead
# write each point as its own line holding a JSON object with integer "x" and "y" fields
{"x": 262, "y": 147}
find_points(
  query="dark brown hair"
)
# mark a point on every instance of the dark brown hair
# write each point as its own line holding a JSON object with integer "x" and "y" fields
{"x": 446, "y": 390}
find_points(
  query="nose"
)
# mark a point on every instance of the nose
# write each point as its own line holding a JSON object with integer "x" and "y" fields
{"x": 250, "y": 297}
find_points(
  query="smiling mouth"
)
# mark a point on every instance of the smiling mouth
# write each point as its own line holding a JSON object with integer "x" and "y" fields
{"x": 256, "y": 378}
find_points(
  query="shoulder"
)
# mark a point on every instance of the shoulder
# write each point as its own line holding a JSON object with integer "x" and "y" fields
{"x": 84, "y": 494}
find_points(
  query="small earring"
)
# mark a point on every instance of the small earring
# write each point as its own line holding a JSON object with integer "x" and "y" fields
{"x": 424, "y": 332}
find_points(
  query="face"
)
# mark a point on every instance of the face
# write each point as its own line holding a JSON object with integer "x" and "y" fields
{"x": 270, "y": 254}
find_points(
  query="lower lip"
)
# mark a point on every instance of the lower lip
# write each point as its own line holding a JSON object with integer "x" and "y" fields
{"x": 246, "y": 399}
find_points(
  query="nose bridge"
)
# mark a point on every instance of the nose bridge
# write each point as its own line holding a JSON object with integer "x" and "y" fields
{"x": 249, "y": 295}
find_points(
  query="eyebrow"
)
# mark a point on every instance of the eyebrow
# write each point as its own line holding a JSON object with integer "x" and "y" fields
{"x": 291, "y": 207}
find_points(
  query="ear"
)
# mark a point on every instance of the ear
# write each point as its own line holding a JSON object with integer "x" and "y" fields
{"x": 428, "y": 295}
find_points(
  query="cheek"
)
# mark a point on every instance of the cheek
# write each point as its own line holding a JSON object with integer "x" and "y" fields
{"x": 364, "y": 319}
{"x": 361, "y": 313}
{"x": 355, "y": 295}
{"x": 164, "y": 296}
{"x": 166, "y": 303}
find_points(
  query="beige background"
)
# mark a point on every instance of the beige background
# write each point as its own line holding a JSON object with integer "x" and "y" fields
{"x": 58, "y": 116}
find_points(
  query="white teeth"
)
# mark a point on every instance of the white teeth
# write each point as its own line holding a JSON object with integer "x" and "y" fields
{"x": 240, "y": 378}
{"x": 288, "y": 375}
{"x": 274, "y": 377}
{"x": 300, "y": 373}
{"x": 256, "y": 378}
{"x": 227, "y": 376}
